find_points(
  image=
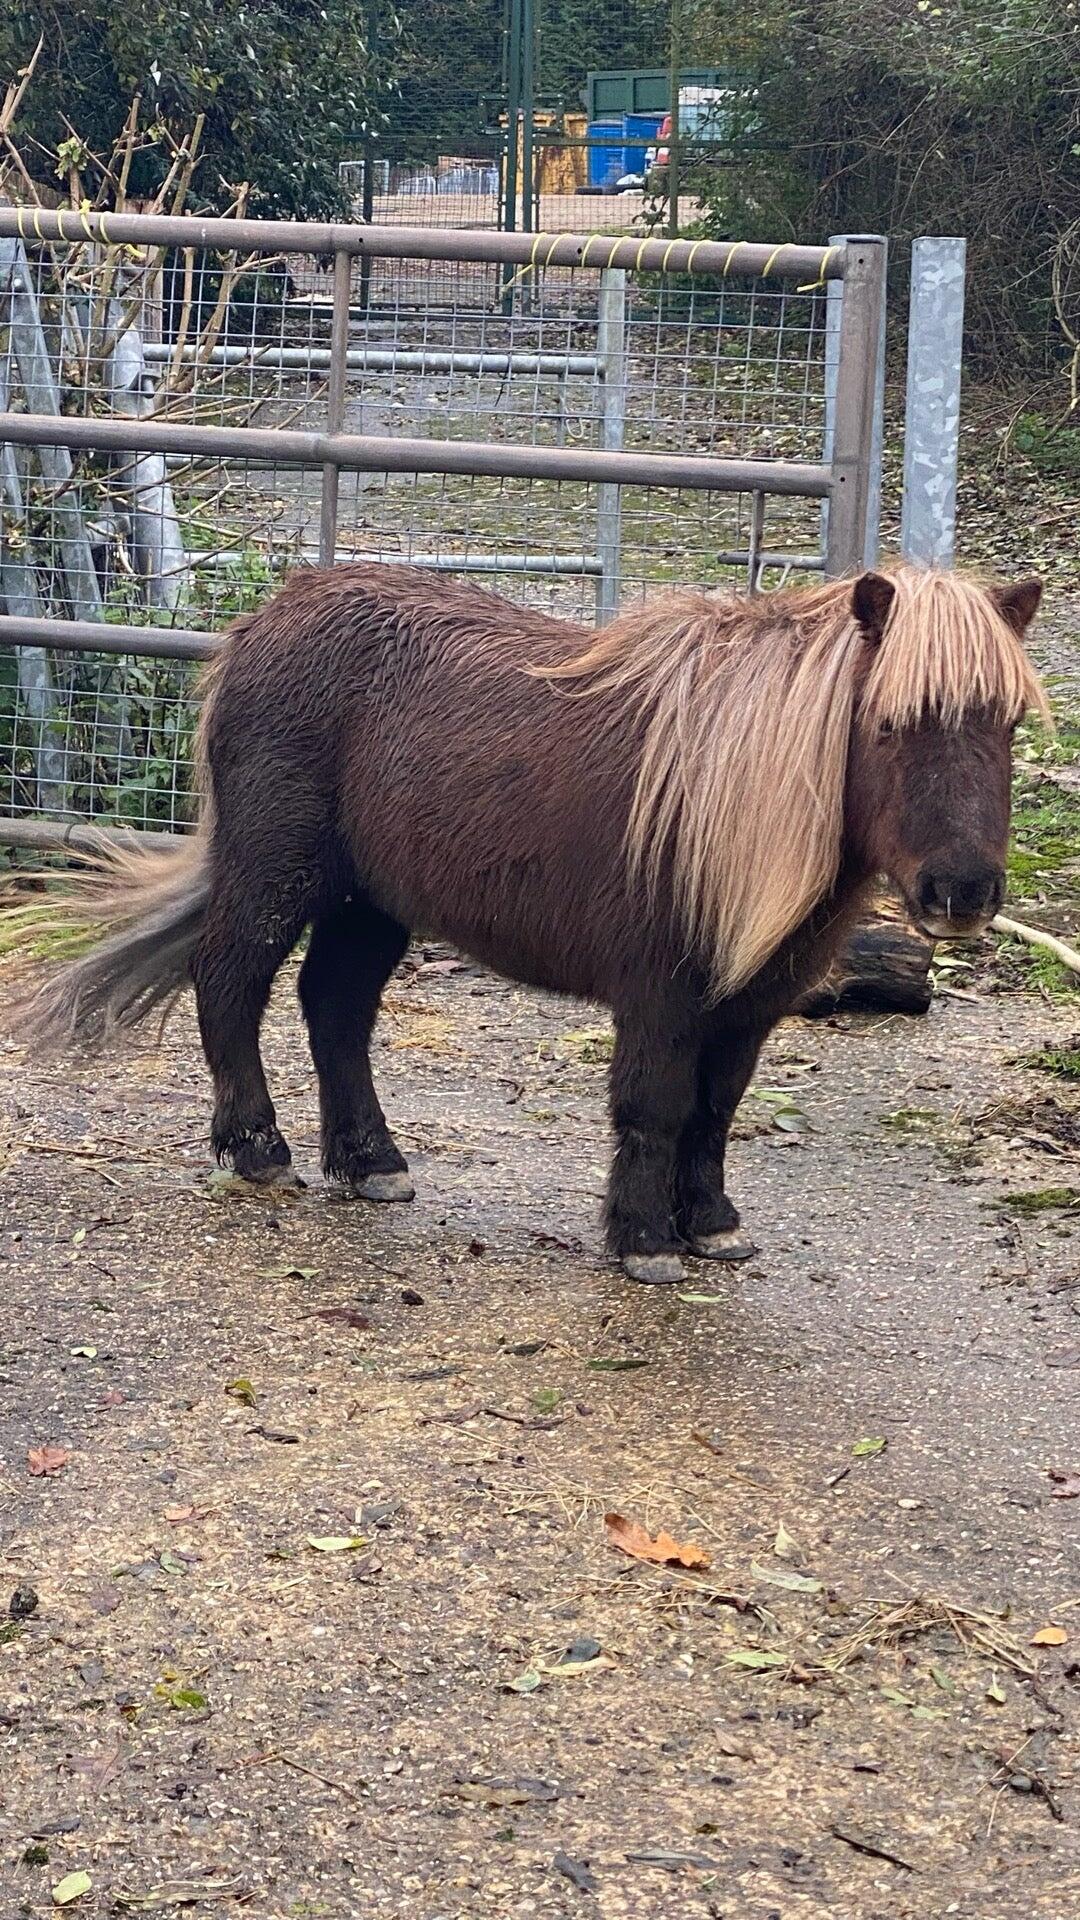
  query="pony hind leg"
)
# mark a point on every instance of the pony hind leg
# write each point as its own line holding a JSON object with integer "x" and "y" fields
{"x": 705, "y": 1213}
{"x": 652, "y": 1092}
{"x": 351, "y": 955}
{"x": 233, "y": 969}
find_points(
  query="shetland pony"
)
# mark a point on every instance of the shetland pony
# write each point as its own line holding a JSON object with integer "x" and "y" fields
{"x": 679, "y": 817}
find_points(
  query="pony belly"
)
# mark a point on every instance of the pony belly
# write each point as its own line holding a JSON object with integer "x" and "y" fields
{"x": 508, "y": 947}
{"x": 543, "y": 922}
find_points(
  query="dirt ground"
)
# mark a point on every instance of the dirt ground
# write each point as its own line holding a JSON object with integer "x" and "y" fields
{"x": 328, "y": 1621}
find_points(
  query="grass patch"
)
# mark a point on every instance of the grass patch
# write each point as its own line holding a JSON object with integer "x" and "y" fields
{"x": 1064, "y": 1061}
{"x": 912, "y": 1120}
{"x": 53, "y": 928}
{"x": 1041, "y": 1200}
{"x": 1033, "y": 970}
{"x": 1045, "y": 850}
{"x": 1052, "y": 448}
{"x": 590, "y": 1046}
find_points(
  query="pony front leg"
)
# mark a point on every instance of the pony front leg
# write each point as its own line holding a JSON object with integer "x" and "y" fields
{"x": 706, "y": 1214}
{"x": 652, "y": 1088}
{"x": 351, "y": 955}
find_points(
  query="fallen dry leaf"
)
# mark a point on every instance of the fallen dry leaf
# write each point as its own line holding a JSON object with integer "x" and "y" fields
{"x": 47, "y": 1461}
{"x": 101, "y": 1768}
{"x": 784, "y": 1546}
{"x": 1049, "y": 1636}
{"x": 521, "y": 1791}
{"x": 178, "y": 1516}
{"x": 71, "y": 1888}
{"x": 1067, "y": 1485}
{"x": 662, "y": 1551}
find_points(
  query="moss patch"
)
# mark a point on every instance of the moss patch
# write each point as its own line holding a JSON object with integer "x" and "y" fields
{"x": 1041, "y": 1200}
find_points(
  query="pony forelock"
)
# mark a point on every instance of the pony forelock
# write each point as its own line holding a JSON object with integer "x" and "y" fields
{"x": 947, "y": 650}
{"x": 749, "y": 712}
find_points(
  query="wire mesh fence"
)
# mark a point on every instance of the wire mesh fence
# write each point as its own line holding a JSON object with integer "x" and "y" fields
{"x": 506, "y": 355}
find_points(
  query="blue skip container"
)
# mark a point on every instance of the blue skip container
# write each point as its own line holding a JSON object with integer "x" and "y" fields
{"x": 606, "y": 159}
{"x": 639, "y": 128}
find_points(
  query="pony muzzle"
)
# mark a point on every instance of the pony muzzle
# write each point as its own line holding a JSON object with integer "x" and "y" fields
{"x": 954, "y": 901}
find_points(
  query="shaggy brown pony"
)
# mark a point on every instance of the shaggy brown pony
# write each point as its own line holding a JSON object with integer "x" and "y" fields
{"x": 679, "y": 817}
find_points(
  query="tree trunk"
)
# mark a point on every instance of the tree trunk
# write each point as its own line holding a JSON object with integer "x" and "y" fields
{"x": 884, "y": 968}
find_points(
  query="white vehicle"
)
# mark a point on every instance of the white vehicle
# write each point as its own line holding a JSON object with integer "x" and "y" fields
{"x": 707, "y": 115}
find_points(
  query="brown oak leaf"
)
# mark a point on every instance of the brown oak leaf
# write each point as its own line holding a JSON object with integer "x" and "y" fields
{"x": 47, "y": 1461}
{"x": 662, "y": 1550}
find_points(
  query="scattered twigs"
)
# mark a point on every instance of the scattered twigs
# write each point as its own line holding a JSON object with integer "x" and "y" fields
{"x": 891, "y": 1625}
{"x": 286, "y": 1760}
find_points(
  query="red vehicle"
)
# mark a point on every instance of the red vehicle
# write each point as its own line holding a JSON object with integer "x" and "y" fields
{"x": 658, "y": 156}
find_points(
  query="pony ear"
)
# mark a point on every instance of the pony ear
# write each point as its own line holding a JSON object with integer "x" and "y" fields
{"x": 1018, "y": 605}
{"x": 871, "y": 597}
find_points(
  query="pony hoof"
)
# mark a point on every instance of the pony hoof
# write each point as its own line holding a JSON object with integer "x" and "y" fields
{"x": 383, "y": 1186}
{"x": 731, "y": 1244}
{"x": 223, "y": 1180}
{"x": 654, "y": 1269}
{"x": 285, "y": 1179}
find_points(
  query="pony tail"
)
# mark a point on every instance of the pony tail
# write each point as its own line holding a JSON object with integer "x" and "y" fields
{"x": 137, "y": 911}
{"x": 143, "y": 909}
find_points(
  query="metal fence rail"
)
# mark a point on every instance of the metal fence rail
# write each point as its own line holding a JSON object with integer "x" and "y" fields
{"x": 188, "y": 407}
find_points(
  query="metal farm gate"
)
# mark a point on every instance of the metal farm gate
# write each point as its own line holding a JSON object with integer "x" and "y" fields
{"x": 589, "y": 419}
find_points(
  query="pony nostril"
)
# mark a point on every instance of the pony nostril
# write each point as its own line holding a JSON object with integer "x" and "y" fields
{"x": 960, "y": 894}
{"x": 927, "y": 893}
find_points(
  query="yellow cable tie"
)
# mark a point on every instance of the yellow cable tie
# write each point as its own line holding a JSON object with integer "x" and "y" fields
{"x": 770, "y": 262}
{"x": 813, "y": 286}
{"x": 60, "y": 224}
{"x": 690, "y": 255}
{"x": 732, "y": 251}
{"x": 551, "y": 249}
{"x": 615, "y": 245}
{"x": 84, "y": 214}
{"x": 667, "y": 255}
{"x": 36, "y": 223}
{"x": 19, "y": 222}
{"x": 588, "y": 244}
{"x": 640, "y": 251}
{"x": 530, "y": 265}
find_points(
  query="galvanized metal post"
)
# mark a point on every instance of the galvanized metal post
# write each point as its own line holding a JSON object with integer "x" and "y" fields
{"x": 513, "y": 114}
{"x": 367, "y": 214}
{"x": 932, "y": 413}
{"x": 335, "y": 403}
{"x": 611, "y": 353}
{"x": 156, "y": 538}
{"x": 675, "y": 136}
{"x": 528, "y": 169}
{"x": 19, "y": 593}
{"x": 834, "y": 303}
{"x": 755, "y": 542}
{"x": 851, "y": 457}
{"x": 42, "y": 396}
{"x": 367, "y": 203}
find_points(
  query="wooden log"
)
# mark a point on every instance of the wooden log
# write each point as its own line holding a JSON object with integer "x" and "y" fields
{"x": 884, "y": 968}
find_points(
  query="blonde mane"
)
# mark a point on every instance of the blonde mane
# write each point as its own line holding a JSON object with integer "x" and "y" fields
{"x": 749, "y": 711}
